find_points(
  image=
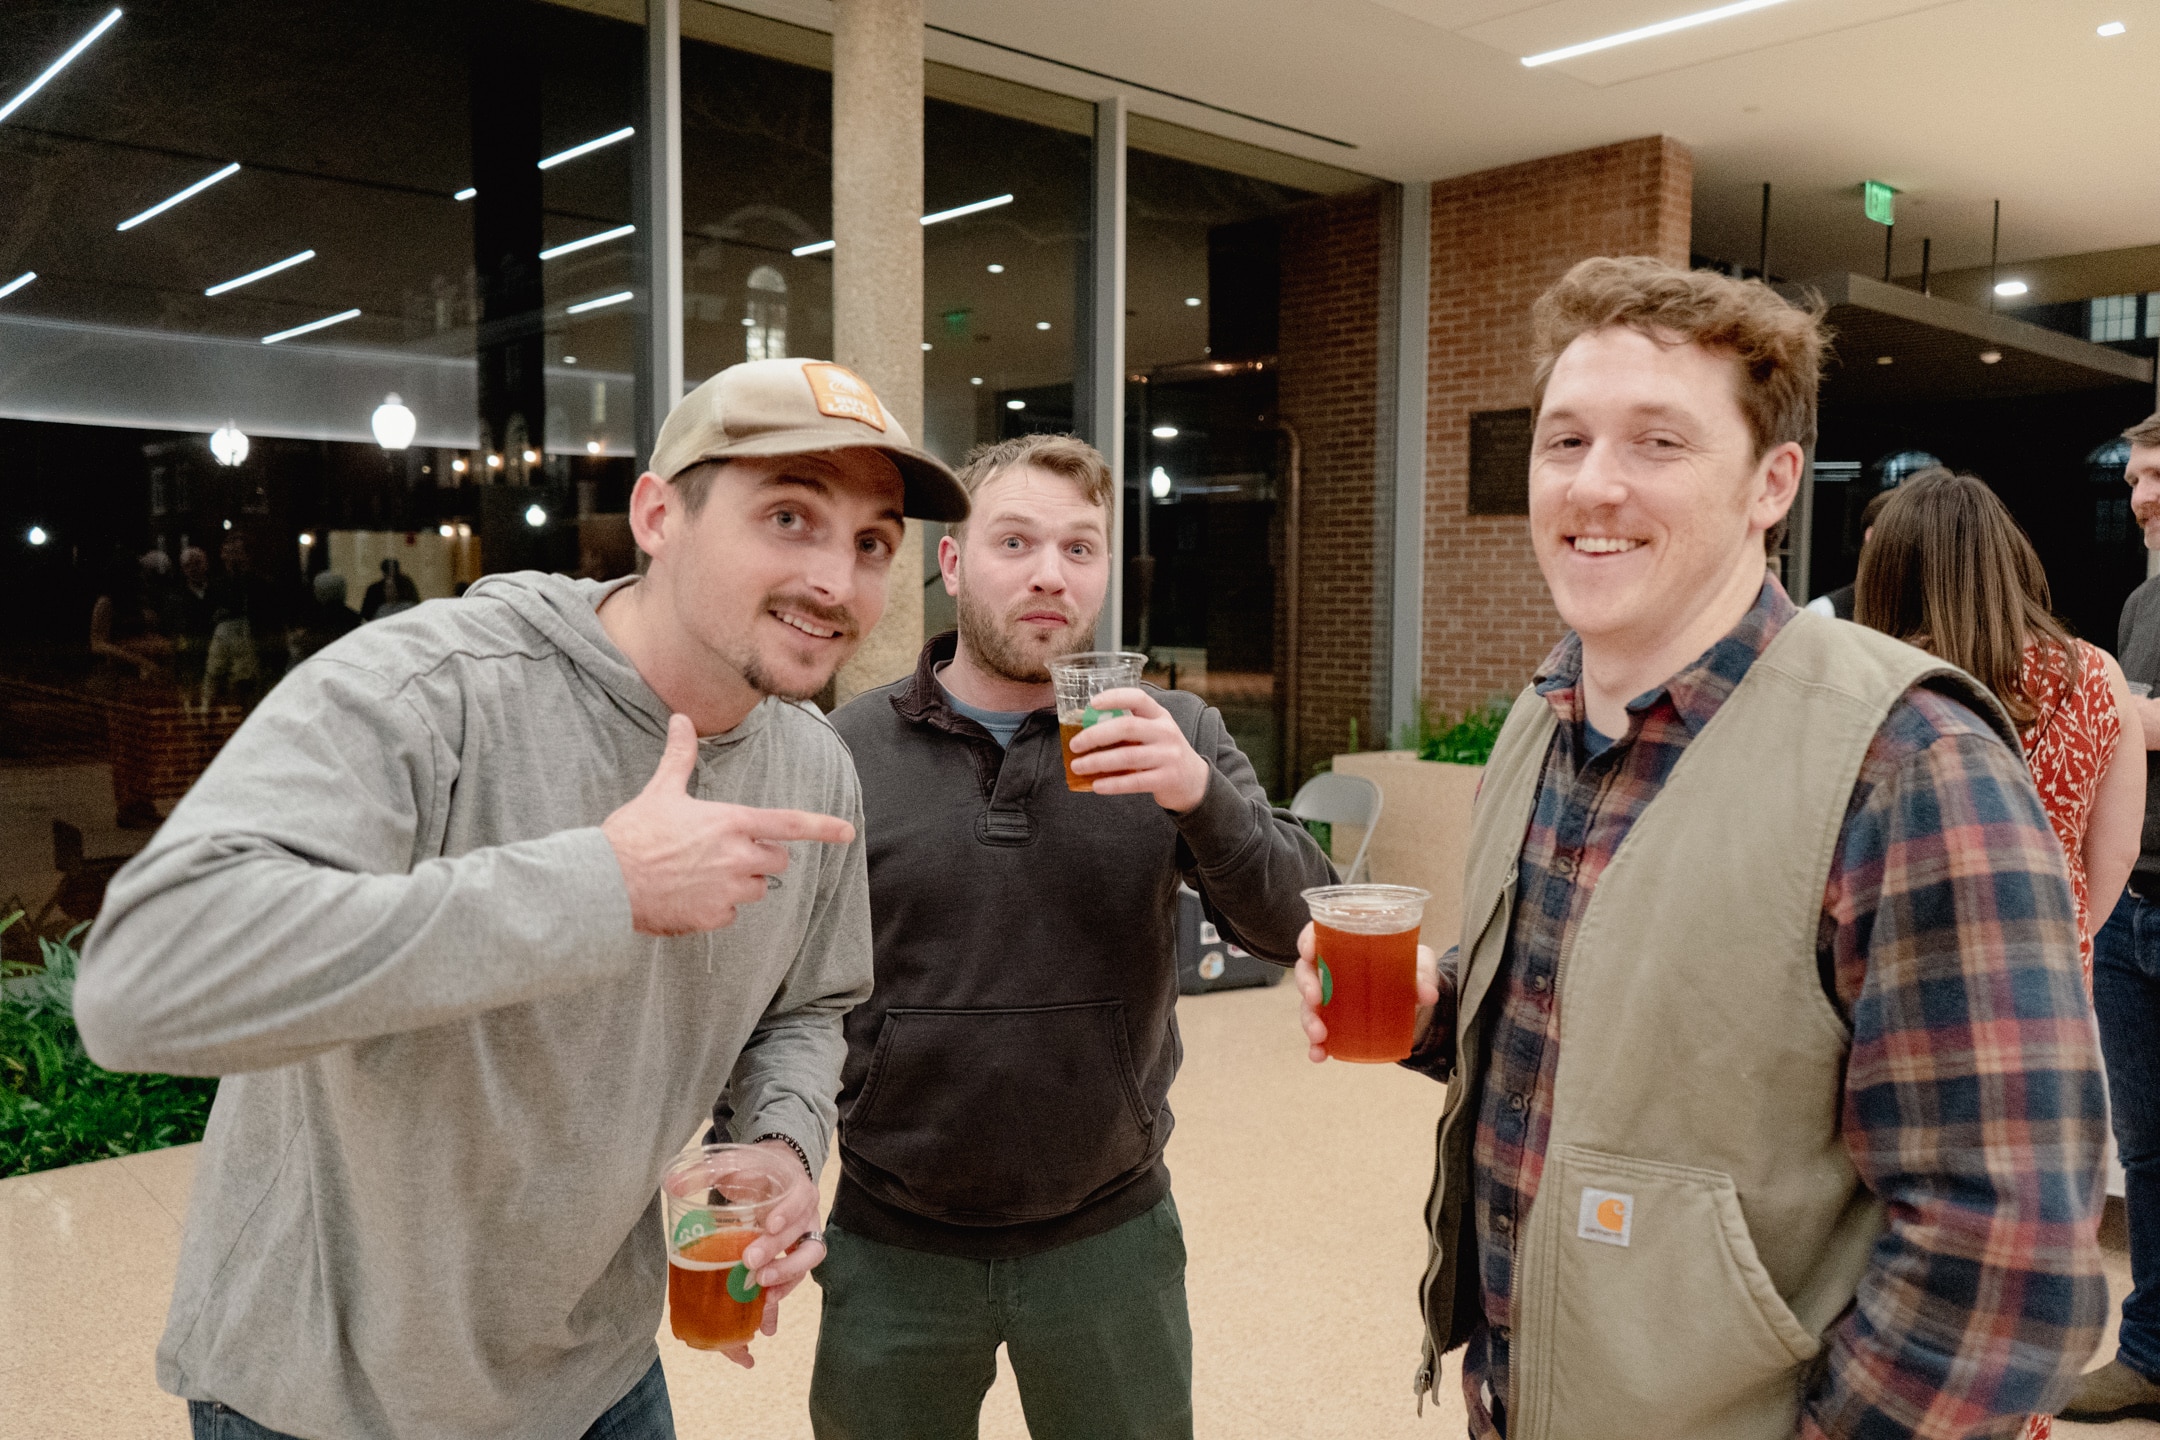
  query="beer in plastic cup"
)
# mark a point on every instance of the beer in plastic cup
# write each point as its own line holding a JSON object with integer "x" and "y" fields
{"x": 1078, "y": 680}
{"x": 1365, "y": 942}
{"x": 714, "y": 1200}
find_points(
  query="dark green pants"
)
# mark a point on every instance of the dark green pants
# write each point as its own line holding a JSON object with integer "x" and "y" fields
{"x": 1096, "y": 1331}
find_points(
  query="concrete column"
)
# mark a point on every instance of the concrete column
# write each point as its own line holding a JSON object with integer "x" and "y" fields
{"x": 878, "y": 269}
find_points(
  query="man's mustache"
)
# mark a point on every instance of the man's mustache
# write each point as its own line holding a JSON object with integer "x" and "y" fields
{"x": 837, "y": 616}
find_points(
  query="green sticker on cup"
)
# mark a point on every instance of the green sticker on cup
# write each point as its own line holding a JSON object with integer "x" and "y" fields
{"x": 1090, "y": 715}
{"x": 1327, "y": 984}
{"x": 696, "y": 1225}
{"x": 740, "y": 1286}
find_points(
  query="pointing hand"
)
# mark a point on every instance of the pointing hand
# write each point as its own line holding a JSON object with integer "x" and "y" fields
{"x": 689, "y": 863}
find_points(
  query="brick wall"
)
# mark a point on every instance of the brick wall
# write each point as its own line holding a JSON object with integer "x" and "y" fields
{"x": 1329, "y": 390}
{"x": 1499, "y": 238}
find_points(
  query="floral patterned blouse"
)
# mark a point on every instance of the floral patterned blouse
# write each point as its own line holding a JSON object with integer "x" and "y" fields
{"x": 2068, "y": 748}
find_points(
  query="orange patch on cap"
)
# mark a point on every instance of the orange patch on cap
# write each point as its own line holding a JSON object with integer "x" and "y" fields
{"x": 841, "y": 393}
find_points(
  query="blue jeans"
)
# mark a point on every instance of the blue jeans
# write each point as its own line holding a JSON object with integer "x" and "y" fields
{"x": 2126, "y": 996}
{"x": 643, "y": 1414}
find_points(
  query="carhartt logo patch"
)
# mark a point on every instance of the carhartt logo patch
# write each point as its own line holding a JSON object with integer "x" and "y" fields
{"x": 1606, "y": 1217}
{"x": 840, "y": 393}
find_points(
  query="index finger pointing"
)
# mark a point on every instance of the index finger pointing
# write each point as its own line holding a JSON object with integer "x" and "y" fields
{"x": 798, "y": 825}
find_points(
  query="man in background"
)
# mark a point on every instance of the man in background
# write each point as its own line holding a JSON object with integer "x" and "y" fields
{"x": 2126, "y": 995}
{"x": 1004, "y": 1115}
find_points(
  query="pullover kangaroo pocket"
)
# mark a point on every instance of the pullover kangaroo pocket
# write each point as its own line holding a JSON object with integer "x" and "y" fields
{"x": 992, "y": 1117}
{"x": 1645, "y": 1311}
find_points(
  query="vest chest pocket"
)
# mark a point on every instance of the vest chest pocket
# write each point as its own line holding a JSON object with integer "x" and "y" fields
{"x": 1645, "y": 1313}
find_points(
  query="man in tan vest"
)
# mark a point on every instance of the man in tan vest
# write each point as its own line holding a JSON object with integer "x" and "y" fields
{"x": 1773, "y": 1104}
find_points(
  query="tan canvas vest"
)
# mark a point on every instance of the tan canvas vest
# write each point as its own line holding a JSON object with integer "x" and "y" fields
{"x": 1698, "y": 1226}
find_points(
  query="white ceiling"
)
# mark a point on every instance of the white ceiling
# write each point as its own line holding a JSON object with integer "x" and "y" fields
{"x": 1955, "y": 102}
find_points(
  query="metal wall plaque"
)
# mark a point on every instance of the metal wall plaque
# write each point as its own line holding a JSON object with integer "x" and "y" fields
{"x": 1500, "y": 461}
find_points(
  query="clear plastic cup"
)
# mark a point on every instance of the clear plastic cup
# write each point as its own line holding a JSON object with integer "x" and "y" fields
{"x": 1365, "y": 938}
{"x": 1078, "y": 679}
{"x": 714, "y": 1200}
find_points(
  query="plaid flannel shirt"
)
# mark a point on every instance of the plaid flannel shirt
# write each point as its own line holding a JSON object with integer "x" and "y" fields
{"x": 1973, "y": 1099}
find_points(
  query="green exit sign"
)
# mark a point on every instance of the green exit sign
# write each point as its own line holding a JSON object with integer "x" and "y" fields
{"x": 1877, "y": 196}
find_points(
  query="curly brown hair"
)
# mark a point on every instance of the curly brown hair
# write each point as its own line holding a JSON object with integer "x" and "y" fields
{"x": 1778, "y": 345}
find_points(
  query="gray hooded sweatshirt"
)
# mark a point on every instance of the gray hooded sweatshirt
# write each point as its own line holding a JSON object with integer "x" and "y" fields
{"x": 426, "y": 1202}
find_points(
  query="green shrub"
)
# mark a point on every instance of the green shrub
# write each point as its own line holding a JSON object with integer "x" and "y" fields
{"x": 57, "y": 1105}
{"x": 1469, "y": 741}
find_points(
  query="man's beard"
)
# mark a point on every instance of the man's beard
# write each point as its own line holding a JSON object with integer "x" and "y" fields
{"x": 995, "y": 643}
{"x": 751, "y": 665}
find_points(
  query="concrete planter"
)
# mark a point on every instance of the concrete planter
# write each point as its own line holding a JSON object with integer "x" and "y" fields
{"x": 1424, "y": 834}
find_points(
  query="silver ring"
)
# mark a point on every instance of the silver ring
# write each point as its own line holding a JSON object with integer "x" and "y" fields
{"x": 817, "y": 1235}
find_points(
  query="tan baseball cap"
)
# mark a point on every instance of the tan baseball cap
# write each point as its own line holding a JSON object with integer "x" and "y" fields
{"x": 801, "y": 407}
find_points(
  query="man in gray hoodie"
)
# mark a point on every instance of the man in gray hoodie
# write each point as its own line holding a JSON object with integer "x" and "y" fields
{"x": 473, "y": 978}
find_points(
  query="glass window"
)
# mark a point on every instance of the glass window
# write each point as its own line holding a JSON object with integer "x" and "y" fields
{"x": 1251, "y": 338}
{"x": 329, "y": 316}
{"x": 2112, "y": 317}
{"x": 757, "y": 197}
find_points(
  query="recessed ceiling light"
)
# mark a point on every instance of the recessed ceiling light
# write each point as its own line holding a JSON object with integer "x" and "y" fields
{"x": 171, "y": 200}
{"x": 592, "y": 447}
{"x": 465, "y": 194}
{"x": 1164, "y": 432}
{"x": 590, "y": 240}
{"x": 1042, "y": 324}
{"x": 581, "y": 307}
{"x": 1016, "y": 404}
{"x": 587, "y": 148}
{"x": 323, "y": 324}
{"x": 815, "y": 247}
{"x": 61, "y": 64}
{"x": 1886, "y": 359}
{"x": 1648, "y": 32}
{"x": 37, "y": 535}
{"x": 448, "y": 532}
{"x": 531, "y": 456}
{"x": 535, "y": 516}
{"x": 2113, "y": 27}
{"x": 1990, "y": 357}
{"x": 1159, "y": 483}
{"x": 458, "y": 465}
{"x": 253, "y": 275}
{"x": 995, "y": 269}
{"x": 569, "y": 359}
{"x": 1192, "y": 300}
{"x": 494, "y": 462}
{"x": 975, "y": 380}
{"x": 17, "y": 283}
{"x": 2011, "y": 287}
{"x": 926, "y": 345}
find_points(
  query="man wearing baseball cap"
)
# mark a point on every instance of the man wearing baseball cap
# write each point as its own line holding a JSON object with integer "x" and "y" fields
{"x": 478, "y": 914}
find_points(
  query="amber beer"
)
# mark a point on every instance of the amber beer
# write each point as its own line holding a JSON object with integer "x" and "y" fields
{"x": 714, "y": 1200}
{"x": 1365, "y": 940}
{"x": 703, "y": 1280}
{"x": 1078, "y": 679}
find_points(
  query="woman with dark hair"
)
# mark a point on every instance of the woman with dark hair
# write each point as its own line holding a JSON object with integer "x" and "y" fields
{"x": 1948, "y": 570}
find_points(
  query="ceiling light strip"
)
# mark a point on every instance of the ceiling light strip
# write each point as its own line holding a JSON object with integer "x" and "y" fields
{"x": 935, "y": 217}
{"x": 188, "y": 194}
{"x": 588, "y": 147}
{"x": 589, "y": 241}
{"x": 616, "y": 299}
{"x": 938, "y": 217}
{"x": 1649, "y": 32}
{"x": 465, "y": 194}
{"x": 17, "y": 283}
{"x": 323, "y": 324}
{"x": 111, "y": 17}
{"x": 253, "y": 275}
